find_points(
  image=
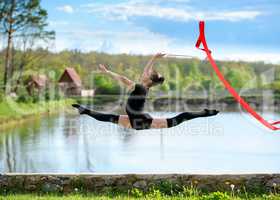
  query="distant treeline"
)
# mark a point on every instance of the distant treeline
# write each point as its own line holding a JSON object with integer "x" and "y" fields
{"x": 180, "y": 74}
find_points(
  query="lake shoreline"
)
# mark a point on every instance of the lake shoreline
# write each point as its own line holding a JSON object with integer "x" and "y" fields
{"x": 30, "y": 112}
{"x": 171, "y": 104}
{"x": 162, "y": 104}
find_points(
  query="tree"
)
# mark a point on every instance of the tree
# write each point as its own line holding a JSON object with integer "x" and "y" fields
{"x": 21, "y": 18}
{"x": 27, "y": 54}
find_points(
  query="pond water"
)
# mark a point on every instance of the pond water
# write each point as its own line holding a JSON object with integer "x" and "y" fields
{"x": 228, "y": 143}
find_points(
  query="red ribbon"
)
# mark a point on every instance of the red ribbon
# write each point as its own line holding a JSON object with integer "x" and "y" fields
{"x": 239, "y": 99}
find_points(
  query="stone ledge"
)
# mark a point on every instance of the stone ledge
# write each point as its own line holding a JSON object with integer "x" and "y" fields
{"x": 67, "y": 183}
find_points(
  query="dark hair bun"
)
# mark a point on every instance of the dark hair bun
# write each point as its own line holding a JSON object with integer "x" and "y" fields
{"x": 157, "y": 79}
{"x": 161, "y": 79}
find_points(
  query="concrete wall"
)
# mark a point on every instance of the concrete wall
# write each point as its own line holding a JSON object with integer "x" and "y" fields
{"x": 122, "y": 183}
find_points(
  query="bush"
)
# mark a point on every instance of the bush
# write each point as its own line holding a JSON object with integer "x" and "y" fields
{"x": 190, "y": 191}
{"x": 23, "y": 96}
{"x": 105, "y": 85}
{"x": 137, "y": 193}
{"x": 35, "y": 98}
{"x": 47, "y": 96}
{"x": 58, "y": 94}
{"x": 168, "y": 188}
{"x": 2, "y": 96}
{"x": 154, "y": 194}
{"x": 216, "y": 196}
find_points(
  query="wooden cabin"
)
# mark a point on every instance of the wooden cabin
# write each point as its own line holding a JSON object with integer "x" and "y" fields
{"x": 70, "y": 82}
{"x": 37, "y": 83}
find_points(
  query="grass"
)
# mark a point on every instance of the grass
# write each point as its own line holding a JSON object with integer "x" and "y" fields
{"x": 11, "y": 110}
{"x": 152, "y": 193}
{"x": 150, "y": 196}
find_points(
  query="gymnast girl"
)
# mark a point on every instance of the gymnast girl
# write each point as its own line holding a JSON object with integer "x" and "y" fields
{"x": 136, "y": 118}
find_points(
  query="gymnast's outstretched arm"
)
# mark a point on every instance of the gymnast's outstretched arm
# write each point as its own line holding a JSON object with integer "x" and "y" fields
{"x": 124, "y": 80}
{"x": 148, "y": 69}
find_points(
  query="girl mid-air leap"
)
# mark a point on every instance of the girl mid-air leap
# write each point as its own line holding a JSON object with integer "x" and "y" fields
{"x": 135, "y": 117}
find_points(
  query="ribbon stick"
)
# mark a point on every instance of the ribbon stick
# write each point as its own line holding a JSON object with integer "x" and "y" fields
{"x": 179, "y": 55}
{"x": 202, "y": 41}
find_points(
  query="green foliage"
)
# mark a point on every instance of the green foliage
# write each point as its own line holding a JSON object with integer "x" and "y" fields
{"x": 275, "y": 86}
{"x": 164, "y": 87}
{"x": 23, "y": 95}
{"x": 168, "y": 188}
{"x": 46, "y": 93}
{"x": 163, "y": 190}
{"x": 239, "y": 78}
{"x": 135, "y": 192}
{"x": 190, "y": 191}
{"x": 216, "y": 196}
{"x": 2, "y": 96}
{"x": 26, "y": 15}
{"x": 172, "y": 85}
{"x": 13, "y": 110}
{"x": 28, "y": 24}
{"x": 180, "y": 74}
{"x": 194, "y": 72}
{"x": 105, "y": 85}
{"x": 58, "y": 95}
{"x": 154, "y": 194}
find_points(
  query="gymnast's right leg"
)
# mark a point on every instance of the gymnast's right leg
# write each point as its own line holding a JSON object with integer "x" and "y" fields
{"x": 97, "y": 115}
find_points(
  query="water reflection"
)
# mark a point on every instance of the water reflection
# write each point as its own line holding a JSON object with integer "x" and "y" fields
{"x": 228, "y": 143}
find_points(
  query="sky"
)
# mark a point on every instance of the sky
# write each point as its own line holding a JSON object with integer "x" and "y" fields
{"x": 235, "y": 29}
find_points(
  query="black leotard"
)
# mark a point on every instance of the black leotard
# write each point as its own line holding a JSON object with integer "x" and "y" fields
{"x": 137, "y": 99}
{"x": 135, "y": 106}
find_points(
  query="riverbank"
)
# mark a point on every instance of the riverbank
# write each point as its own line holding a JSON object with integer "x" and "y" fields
{"x": 13, "y": 113}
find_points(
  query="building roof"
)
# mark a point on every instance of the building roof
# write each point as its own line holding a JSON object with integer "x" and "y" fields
{"x": 41, "y": 80}
{"x": 71, "y": 72}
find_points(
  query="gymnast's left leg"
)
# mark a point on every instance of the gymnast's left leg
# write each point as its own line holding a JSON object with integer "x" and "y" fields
{"x": 180, "y": 118}
{"x": 185, "y": 116}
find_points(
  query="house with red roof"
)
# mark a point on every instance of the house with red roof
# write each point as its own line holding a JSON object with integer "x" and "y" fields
{"x": 70, "y": 82}
{"x": 37, "y": 83}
